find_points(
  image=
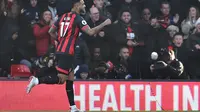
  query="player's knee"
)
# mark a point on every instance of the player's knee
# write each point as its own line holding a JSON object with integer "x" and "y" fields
{"x": 62, "y": 78}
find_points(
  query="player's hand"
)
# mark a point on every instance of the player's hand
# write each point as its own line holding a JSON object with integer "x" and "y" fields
{"x": 107, "y": 22}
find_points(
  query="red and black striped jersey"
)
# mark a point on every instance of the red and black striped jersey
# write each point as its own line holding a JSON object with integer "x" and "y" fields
{"x": 69, "y": 26}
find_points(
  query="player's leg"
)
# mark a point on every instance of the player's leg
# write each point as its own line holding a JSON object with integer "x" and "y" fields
{"x": 70, "y": 90}
{"x": 48, "y": 79}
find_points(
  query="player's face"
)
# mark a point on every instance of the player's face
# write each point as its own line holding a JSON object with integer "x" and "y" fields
{"x": 178, "y": 40}
{"x": 82, "y": 7}
{"x": 47, "y": 16}
{"x": 124, "y": 53}
{"x": 33, "y": 3}
{"x": 126, "y": 17}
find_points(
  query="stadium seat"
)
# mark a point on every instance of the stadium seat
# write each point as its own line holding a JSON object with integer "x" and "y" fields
{"x": 20, "y": 71}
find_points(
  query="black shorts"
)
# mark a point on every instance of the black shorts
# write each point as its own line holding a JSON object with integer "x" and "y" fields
{"x": 64, "y": 63}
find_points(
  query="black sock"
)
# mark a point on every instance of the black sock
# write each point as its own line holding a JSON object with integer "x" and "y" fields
{"x": 70, "y": 92}
{"x": 49, "y": 80}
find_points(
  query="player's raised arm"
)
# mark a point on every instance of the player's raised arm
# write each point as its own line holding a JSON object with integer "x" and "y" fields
{"x": 95, "y": 30}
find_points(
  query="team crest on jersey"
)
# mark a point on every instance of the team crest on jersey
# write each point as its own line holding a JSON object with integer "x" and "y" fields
{"x": 84, "y": 22}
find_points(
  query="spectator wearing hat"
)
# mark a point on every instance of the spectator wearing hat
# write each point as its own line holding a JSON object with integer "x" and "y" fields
{"x": 172, "y": 30}
{"x": 82, "y": 72}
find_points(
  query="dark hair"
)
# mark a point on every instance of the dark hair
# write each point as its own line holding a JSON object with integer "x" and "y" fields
{"x": 197, "y": 12}
{"x": 74, "y": 2}
{"x": 122, "y": 11}
{"x": 42, "y": 12}
{"x": 124, "y": 47}
{"x": 181, "y": 34}
{"x": 165, "y": 2}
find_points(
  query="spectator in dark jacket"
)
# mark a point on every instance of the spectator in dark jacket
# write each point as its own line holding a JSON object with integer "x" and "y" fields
{"x": 10, "y": 11}
{"x": 40, "y": 31}
{"x": 124, "y": 33}
{"x": 181, "y": 51}
{"x": 123, "y": 66}
{"x": 167, "y": 66}
{"x": 29, "y": 16}
{"x": 194, "y": 47}
{"x": 99, "y": 40}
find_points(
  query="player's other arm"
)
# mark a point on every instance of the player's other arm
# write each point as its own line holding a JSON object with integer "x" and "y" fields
{"x": 95, "y": 30}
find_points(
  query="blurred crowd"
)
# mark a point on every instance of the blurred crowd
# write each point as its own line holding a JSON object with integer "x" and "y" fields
{"x": 123, "y": 50}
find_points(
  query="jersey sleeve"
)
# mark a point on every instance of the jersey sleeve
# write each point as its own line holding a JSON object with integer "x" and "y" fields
{"x": 56, "y": 24}
{"x": 82, "y": 23}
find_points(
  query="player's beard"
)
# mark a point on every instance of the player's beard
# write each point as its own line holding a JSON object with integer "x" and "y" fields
{"x": 82, "y": 12}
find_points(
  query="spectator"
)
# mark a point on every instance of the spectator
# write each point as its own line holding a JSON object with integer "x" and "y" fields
{"x": 166, "y": 19}
{"x": 160, "y": 36}
{"x": 146, "y": 15}
{"x": 52, "y": 7}
{"x": 102, "y": 9}
{"x": 30, "y": 13}
{"x": 123, "y": 33}
{"x": 188, "y": 25}
{"x": 181, "y": 51}
{"x": 172, "y": 30}
{"x": 96, "y": 59}
{"x": 29, "y": 16}
{"x": 82, "y": 72}
{"x": 123, "y": 67}
{"x": 194, "y": 47}
{"x": 99, "y": 40}
{"x": 167, "y": 66}
{"x": 40, "y": 31}
{"x": 9, "y": 32}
